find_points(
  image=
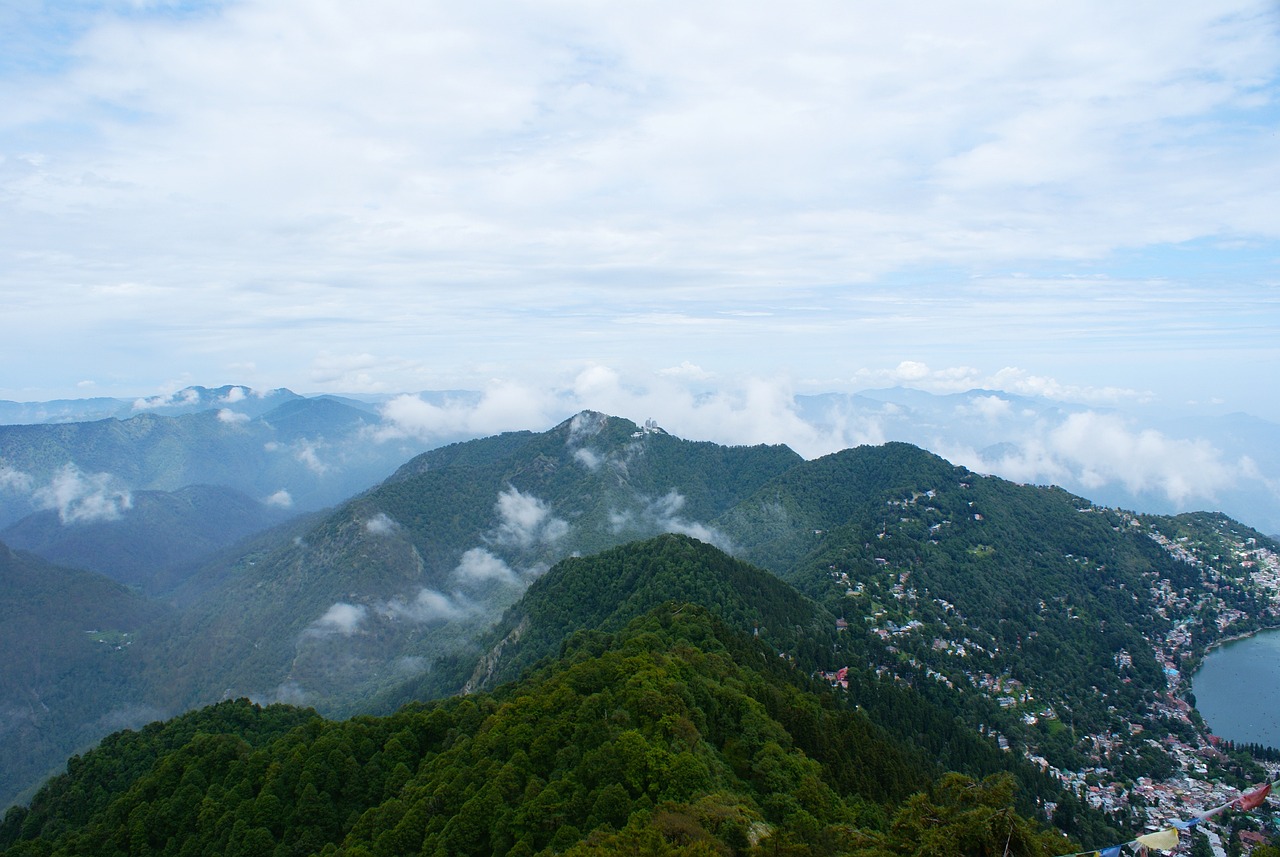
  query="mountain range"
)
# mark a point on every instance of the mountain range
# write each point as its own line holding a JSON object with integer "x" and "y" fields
{"x": 286, "y": 451}
{"x": 970, "y": 616}
{"x": 1130, "y": 456}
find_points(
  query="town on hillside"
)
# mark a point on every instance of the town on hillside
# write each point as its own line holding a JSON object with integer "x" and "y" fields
{"x": 1144, "y": 769}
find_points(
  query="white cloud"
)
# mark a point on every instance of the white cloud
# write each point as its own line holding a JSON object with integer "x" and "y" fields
{"x": 1089, "y": 452}
{"x": 991, "y": 408}
{"x": 1016, "y": 380}
{"x": 662, "y": 514}
{"x": 341, "y": 618}
{"x": 231, "y": 417}
{"x": 583, "y": 456}
{"x": 307, "y": 454}
{"x": 14, "y": 480}
{"x": 524, "y": 520}
{"x": 429, "y": 605}
{"x": 503, "y": 406}
{"x": 1103, "y": 448}
{"x": 150, "y": 403}
{"x": 687, "y": 370}
{"x": 380, "y": 525}
{"x": 83, "y": 498}
{"x": 347, "y": 371}
{"x": 282, "y": 499}
{"x": 479, "y": 565}
{"x": 235, "y": 394}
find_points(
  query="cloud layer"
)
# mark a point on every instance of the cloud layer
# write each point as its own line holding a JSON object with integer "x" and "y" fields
{"x": 400, "y": 196}
{"x": 1010, "y": 429}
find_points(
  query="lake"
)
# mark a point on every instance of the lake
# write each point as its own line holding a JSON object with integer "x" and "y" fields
{"x": 1238, "y": 689}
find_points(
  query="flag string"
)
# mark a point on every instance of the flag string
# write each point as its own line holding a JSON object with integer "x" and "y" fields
{"x": 1167, "y": 838}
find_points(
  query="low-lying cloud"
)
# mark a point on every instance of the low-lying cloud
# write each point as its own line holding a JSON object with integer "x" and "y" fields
{"x": 342, "y": 618}
{"x": 14, "y": 480}
{"x": 380, "y": 525}
{"x": 524, "y": 520}
{"x": 1089, "y": 451}
{"x": 83, "y": 498}
{"x": 429, "y": 605}
{"x": 281, "y": 499}
{"x": 306, "y": 453}
{"x": 478, "y": 565}
{"x": 230, "y": 417}
{"x": 662, "y": 514}
{"x": 503, "y": 406}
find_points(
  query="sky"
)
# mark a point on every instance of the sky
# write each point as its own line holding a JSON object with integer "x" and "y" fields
{"x": 1074, "y": 200}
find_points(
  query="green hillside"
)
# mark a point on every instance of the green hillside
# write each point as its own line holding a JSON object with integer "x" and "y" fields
{"x": 152, "y": 544}
{"x": 675, "y": 736}
{"x": 1044, "y": 620}
{"x": 418, "y": 567}
{"x": 609, "y": 589}
{"x": 74, "y": 644}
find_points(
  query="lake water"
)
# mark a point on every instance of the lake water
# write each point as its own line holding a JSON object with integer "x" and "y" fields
{"x": 1238, "y": 689}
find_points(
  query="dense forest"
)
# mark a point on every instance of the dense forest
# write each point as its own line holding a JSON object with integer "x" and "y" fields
{"x": 675, "y": 735}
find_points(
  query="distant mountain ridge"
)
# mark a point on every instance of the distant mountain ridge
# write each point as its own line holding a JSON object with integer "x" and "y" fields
{"x": 1130, "y": 456}
{"x": 298, "y": 453}
{"x": 161, "y": 535}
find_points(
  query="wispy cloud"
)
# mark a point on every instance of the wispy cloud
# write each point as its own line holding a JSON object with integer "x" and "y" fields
{"x": 380, "y": 525}
{"x": 429, "y": 605}
{"x": 83, "y": 498}
{"x": 524, "y": 520}
{"x": 342, "y": 618}
{"x": 662, "y": 514}
{"x": 231, "y": 417}
{"x": 281, "y": 499}
{"x": 478, "y": 565}
{"x": 14, "y": 480}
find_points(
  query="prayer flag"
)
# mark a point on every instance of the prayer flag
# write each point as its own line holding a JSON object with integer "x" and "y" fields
{"x": 1161, "y": 840}
{"x": 1253, "y": 799}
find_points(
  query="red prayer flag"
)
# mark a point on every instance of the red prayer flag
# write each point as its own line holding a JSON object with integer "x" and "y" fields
{"x": 1253, "y": 799}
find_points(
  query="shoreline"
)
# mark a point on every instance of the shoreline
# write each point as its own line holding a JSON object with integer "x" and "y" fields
{"x": 1234, "y": 638}
{"x": 1189, "y": 678}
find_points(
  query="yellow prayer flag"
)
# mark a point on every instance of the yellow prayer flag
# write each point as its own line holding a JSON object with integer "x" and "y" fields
{"x": 1162, "y": 840}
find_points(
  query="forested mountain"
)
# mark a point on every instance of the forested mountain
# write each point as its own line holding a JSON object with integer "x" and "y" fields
{"x": 676, "y": 734}
{"x": 607, "y": 590}
{"x": 1036, "y": 602}
{"x": 71, "y": 668}
{"x": 414, "y": 569}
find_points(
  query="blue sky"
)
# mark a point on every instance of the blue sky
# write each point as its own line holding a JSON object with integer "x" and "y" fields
{"x": 1075, "y": 200}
